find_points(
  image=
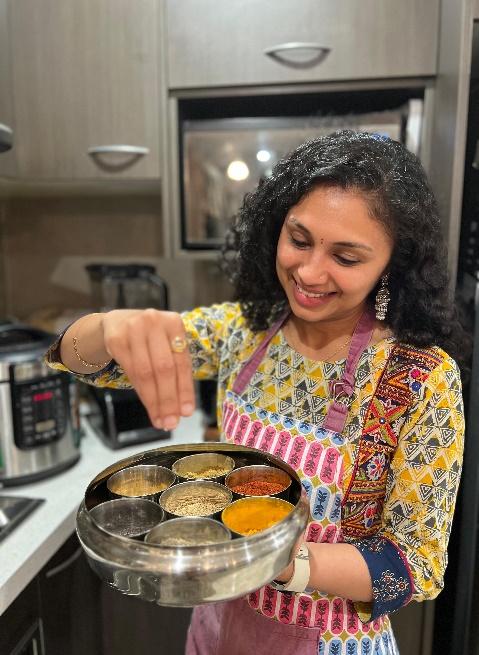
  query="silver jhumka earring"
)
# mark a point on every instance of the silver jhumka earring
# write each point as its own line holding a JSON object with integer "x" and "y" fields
{"x": 382, "y": 299}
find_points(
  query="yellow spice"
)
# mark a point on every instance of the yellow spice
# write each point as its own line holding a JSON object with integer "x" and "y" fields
{"x": 250, "y": 517}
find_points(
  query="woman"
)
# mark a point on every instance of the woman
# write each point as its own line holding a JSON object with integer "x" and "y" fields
{"x": 335, "y": 358}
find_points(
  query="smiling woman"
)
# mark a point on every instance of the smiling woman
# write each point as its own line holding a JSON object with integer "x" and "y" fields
{"x": 330, "y": 255}
{"x": 337, "y": 358}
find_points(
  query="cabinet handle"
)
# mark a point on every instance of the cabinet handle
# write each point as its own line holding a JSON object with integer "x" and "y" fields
{"x": 6, "y": 137}
{"x": 64, "y": 565}
{"x": 139, "y": 151}
{"x": 279, "y": 53}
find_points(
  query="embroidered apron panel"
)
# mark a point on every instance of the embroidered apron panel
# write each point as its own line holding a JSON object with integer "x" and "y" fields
{"x": 400, "y": 385}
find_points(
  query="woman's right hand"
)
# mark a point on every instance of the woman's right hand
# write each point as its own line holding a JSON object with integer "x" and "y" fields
{"x": 140, "y": 341}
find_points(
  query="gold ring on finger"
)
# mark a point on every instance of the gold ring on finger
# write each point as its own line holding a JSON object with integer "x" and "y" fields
{"x": 178, "y": 345}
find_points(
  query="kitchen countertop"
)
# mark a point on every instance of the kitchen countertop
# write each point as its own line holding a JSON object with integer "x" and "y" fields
{"x": 26, "y": 550}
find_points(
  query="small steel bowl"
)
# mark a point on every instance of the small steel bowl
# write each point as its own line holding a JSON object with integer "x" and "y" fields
{"x": 127, "y": 517}
{"x": 196, "y": 467}
{"x": 264, "y": 505}
{"x": 259, "y": 473}
{"x": 188, "y": 531}
{"x": 143, "y": 481}
{"x": 189, "y": 494}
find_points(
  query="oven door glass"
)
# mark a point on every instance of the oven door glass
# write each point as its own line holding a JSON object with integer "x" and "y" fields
{"x": 224, "y": 159}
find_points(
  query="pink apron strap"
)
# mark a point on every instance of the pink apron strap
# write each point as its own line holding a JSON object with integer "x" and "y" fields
{"x": 251, "y": 364}
{"x": 341, "y": 390}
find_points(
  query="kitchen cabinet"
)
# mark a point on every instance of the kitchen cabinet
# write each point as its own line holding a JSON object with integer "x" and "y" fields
{"x": 67, "y": 609}
{"x": 244, "y": 42}
{"x": 85, "y": 80}
{"x": 21, "y": 625}
{"x": 7, "y": 160}
{"x": 70, "y": 603}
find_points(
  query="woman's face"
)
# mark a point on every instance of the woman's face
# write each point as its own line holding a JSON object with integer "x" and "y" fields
{"x": 331, "y": 254}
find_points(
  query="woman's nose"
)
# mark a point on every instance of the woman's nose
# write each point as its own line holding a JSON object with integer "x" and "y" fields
{"x": 313, "y": 272}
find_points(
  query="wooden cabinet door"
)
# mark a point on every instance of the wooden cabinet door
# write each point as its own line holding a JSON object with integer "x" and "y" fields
{"x": 85, "y": 74}
{"x": 240, "y": 42}
{"x": 7, "y": 159}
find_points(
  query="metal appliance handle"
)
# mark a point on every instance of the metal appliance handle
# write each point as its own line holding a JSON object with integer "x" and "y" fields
{"x": 139, "y": 151}
{"x": 277, "y": 52}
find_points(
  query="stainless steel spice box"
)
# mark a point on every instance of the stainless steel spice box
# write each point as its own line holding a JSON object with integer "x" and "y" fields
{"x": 187, "y": 576}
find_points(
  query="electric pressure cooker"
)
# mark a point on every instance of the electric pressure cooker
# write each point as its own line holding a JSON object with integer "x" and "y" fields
{"x": 38, "y": 411}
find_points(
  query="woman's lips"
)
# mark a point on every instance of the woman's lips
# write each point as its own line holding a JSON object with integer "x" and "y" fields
{"x": 310, "y": 299}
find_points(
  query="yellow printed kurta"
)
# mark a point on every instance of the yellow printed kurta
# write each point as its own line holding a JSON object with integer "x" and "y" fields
{"x": 424, "y": 474}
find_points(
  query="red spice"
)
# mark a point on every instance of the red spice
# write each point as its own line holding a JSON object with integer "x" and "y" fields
{"x": 258, "y": 488}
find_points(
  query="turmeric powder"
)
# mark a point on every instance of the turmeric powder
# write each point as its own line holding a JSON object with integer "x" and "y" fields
{"x": 251, "y": 515}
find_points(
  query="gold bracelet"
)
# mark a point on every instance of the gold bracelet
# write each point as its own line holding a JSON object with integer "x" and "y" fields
{"x": 90, "y": 365}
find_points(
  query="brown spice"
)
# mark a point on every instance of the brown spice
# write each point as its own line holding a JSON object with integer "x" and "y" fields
{"x": 258, "y": 488}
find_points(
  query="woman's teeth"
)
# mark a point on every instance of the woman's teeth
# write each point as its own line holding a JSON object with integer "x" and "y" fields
{"x": 311, "y": 295}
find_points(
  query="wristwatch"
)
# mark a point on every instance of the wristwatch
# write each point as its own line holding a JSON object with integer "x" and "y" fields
{"x": 301, "y": 572}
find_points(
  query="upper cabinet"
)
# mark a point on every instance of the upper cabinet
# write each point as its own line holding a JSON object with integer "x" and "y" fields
{"x": 244, "y": 42}
{"x": 7, "y": 159}
{"x": 85, "y": 83}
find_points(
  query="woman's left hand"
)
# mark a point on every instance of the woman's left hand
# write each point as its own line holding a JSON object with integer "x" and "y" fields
{"x": 287, "y": 573}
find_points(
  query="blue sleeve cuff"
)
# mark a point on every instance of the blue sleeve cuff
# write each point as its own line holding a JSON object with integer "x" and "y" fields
{"x": 391, "y": 577}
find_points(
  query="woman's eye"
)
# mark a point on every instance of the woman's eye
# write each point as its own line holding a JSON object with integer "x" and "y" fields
{"x": 298, "y": 243}
{"x": 345, "y": 261}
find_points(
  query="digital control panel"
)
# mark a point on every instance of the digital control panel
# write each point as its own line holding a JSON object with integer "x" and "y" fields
{"x": 40, "y": 410}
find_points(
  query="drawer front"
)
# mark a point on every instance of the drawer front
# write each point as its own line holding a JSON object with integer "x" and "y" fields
{"x": 239, "y": 42}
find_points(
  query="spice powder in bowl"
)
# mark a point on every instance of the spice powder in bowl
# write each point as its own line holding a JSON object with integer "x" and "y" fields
{"x": 248, "y": 516}
{"x": 259, "y": 480}
{"x": 258, "y": 488}
{"x": 189, "y": 531}
{"x": 203, "y": 466}
{"x": 143, "y": 480}
{"x": 199, "y": 498}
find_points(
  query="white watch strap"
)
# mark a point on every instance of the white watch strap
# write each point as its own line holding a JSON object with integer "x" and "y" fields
{"x": 300, "y": 578}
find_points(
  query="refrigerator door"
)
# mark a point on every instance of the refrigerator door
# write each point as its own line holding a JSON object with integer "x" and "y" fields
{"x": 465, "y": 624}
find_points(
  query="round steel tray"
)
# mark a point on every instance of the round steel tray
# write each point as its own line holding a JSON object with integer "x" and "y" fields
{"x": 188, "y": 576}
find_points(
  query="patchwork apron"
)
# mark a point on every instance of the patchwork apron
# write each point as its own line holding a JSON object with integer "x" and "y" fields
{"x": 270, "y": 621}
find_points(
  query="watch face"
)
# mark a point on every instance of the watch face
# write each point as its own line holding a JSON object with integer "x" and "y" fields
{"x": 279, "y": 586}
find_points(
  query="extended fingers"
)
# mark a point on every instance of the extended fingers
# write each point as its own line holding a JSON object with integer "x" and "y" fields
{"x": 151, "y": 347}
{"x": 173, "y": 372}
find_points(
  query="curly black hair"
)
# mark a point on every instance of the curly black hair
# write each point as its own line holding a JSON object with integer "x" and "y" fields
{"x": 394, "y": 183}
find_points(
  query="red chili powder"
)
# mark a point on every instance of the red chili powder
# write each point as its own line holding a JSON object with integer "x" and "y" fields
{"x": 258, "y": 488}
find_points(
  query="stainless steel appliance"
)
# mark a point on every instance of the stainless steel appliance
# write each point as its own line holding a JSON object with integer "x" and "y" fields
{"x": 133, "y": 286}
{"x": 121, "y": 419}
{"x": 38, "y": 416}
{"x": 228, "y": 144}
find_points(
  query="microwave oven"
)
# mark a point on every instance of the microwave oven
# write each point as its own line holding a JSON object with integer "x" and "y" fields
{"x": 223, "y": 155}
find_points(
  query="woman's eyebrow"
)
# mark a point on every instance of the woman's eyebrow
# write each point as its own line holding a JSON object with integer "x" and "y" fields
{"x": 294, "y": 221}
{"x": 353, "y": 244}
{"x": 344, "y": 244}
